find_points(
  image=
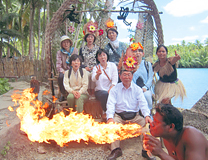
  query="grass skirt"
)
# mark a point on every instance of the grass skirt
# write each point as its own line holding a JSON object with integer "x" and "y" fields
{"x": 169, "y": 90}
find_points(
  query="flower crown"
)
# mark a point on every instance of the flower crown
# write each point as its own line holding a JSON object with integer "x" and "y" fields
{"x": 110, "y": 24}
{"x": 134, "y": 46}
{"x": 127, "y": 61}
{"x": 130, "y": 62}
{"x": 91, "y": 28}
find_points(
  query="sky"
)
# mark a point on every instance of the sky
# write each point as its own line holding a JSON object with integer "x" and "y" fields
{"x": 181, "y": 20}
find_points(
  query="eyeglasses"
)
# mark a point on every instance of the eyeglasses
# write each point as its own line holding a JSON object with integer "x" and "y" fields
{"x": 127, "y": 75}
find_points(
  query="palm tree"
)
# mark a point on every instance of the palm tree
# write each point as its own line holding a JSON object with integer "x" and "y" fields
{"x": 198, "y": 44}
{"x": 7, "y": 35}
{"x": 206, "y": 41}
{"x": 183, "y": 43}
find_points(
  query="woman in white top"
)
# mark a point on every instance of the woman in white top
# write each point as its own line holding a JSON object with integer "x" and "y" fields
{"x": 105, "y": 75}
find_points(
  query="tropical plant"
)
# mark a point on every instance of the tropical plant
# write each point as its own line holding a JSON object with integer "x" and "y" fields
{"x": 7, "y": 34}
{"x": 4, "y": 86}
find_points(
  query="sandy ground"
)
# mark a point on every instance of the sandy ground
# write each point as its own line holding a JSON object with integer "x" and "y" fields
{"x": 16, "y": 145}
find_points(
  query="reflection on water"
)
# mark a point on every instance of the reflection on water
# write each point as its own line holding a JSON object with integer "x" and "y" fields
{"x": 195, "y": 82}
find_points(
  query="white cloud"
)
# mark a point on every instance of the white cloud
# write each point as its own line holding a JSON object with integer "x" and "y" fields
{"x": 120, "y": 24}
{"x": 115, "y": 4}
{"x": 204, "y": 37}
{"x": 192, "y": 28}
{"x": 187, "y": 38}
{"x": 205, "y": 20}
{"x": 179, "y": 8}
{"x": 175, "y": 43}
{"x": 125, "y": 40}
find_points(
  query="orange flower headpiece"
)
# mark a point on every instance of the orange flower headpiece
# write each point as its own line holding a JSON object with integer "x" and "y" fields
{"x": 134, "y": 46}
{"x": 128, "y": 61}
{"x": 110, "y": 24}
{"x": 91, "y": 28}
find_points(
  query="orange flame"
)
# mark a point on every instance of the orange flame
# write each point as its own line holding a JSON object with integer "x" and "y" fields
{"x": 54, "y": 99}
{"x": 7, "y": 123}
{"x": 10, "y": 109}
{"x": 46, "y": 92}
{"x": 63, "y": 129}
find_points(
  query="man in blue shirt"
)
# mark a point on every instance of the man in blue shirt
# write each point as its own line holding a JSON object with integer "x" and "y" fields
{"x": 143, "y": 77}
{"x": 125, "y": 100}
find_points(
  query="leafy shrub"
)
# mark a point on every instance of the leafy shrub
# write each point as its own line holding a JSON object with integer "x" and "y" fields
{"x": 4, "y": 86}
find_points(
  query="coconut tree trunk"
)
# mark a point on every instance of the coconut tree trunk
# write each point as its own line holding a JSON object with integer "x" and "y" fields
{"x": 48, "y": 10}
{"x": 78, "y": 27}
{"x": 1, "y": 48}
{"x": 43, "y": 34}
{"x": 32, "y": 13}
{"x": 38, "y": 54}
{"x": 8, "y": 49}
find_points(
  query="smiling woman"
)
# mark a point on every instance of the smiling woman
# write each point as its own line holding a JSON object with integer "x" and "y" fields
{"x": 76, "y": 84}
{"x": 105, "y": 76}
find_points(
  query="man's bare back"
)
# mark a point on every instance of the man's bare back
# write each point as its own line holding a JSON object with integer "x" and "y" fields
{"x": 190, "y": 144}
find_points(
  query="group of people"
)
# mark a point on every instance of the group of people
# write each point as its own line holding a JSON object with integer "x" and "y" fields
{"x": 95, "y": 73}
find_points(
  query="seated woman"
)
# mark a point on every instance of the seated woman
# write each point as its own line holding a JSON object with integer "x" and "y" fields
{"x": 105, "y": 75}
{"x": 76, "y": 83}
{"x": 62, "y": 60}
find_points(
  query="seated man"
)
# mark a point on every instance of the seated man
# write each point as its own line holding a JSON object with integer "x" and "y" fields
{"x": 126, "y": 97}
{"x": 181, "y": 142}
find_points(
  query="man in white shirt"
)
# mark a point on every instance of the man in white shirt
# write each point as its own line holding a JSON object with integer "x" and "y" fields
{"x": 123, "y": 105}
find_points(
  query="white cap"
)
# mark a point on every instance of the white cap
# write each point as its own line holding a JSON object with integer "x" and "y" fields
{"x": 65, "y": 37}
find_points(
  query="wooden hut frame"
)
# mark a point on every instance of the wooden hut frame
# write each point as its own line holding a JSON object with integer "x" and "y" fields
{"x": 57, "y": 18}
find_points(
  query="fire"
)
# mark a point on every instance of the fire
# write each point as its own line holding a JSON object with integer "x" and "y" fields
{"x": 10, "y": 108}
{"x": 7, "y": 123}
{"x": 63, "y": 129}
{"x": 54, "y": 99}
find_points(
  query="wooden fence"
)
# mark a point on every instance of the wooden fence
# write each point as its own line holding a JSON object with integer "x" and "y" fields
{"x": 17, "y": 67}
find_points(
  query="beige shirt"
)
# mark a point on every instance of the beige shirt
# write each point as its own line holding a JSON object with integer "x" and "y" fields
{"x": 72, "y": 84}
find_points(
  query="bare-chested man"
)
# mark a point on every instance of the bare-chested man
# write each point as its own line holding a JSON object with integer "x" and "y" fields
{"x": 182, "y": 143}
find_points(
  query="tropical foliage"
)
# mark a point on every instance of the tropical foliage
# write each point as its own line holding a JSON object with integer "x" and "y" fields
{"x": 4, "y": 86}
{"x": 23, "y": 24}
{"x": 193, "y": 55}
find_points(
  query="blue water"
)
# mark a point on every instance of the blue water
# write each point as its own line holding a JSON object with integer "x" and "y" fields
{"x": 195, "y": 81}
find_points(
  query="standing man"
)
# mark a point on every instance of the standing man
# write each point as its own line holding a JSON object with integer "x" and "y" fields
{"x": 182, "y": 143}
{"x": 125, "y": 101}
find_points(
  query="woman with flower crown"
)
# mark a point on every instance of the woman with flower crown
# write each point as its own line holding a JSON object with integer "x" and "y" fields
{"x": 88, "y": 52}
{"x": 114, "y": 47}
{"x": 62, "y": 62}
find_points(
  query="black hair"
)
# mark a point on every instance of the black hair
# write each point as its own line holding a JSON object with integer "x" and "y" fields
{"x": 122, "y": 70}
{"x": 99, "y": 53}
{"x": 140, "y": 50}
{"x": 170, "y": 115}
{"x": 160, "y": 47}
{"x": 74, "y": 57}
{"x": 85, "y": 37}
{"x": 112, "y": 29}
